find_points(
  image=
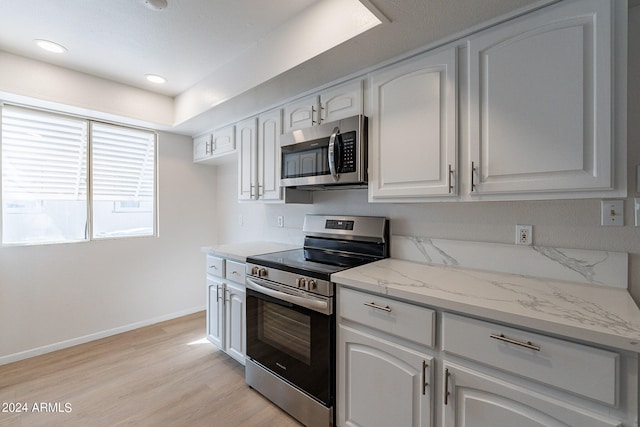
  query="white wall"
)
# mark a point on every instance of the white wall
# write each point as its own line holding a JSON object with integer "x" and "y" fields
{"x": 561, "y": 223}
{"x": 56, "y": 295}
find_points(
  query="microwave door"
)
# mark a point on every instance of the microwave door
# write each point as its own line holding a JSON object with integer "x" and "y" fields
{"x": 333, "y": 155}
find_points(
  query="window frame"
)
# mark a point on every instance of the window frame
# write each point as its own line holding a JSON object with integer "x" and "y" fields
{"x": 90, "y": 121}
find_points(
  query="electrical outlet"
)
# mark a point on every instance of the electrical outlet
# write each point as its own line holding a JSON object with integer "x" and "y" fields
{"x": 524, "y": 234}
{"x": 280, "y": 221}
{"x": 612, "y": 212}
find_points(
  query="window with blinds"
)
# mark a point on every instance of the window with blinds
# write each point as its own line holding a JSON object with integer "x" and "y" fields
{"x": 46, "y": 191}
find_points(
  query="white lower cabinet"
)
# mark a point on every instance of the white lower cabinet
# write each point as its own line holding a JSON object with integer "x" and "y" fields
{"x": 382, "y": 383}
{"x": 215, "y": 311}
{"x": 383, "y": 368}
{"x": 396, "y": 367}
{"x": 226, "y": 308}
{"x": 235, "y": 315}
{"x": 476, "y": 399}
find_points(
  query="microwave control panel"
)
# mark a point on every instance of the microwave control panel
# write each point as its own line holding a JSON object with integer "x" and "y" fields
{"x": 348, "y": 163}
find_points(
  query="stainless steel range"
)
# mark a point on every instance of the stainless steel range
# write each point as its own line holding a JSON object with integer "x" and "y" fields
{"x": 291, "y": 327}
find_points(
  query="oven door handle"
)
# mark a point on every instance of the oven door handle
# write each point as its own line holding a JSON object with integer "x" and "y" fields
{"x": 311, "y": 304}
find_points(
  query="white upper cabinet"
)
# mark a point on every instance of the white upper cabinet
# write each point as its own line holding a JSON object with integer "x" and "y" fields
{"x": 269, "y": 131}
{"x": 212, "y": 148}
{"x": 342, "y": 101}
{"x": 413, "y": 129}
{"x": 336, "y": 103}
{"x": 247, "y": 138}
{"x": 202, "y": 147}
{"x": 259, "y": 161}
{"x": 540, "y": 102}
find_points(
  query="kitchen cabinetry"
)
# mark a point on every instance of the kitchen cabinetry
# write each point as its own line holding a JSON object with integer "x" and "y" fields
{"x": 590, "y": 373}
{"x": 541, "y": 102}
{"x": 413, "y": 138}
{"x": 382, "y": 381}
{"x": 541, "y": 106}
{"x": 226, "y": 310}
{"x": 336, "y": 103}
{"x": 393, "y": 370}
{"x": 259, "y": 161}
{"x": 212, "y": 148}
{"x": 480, "y": 400}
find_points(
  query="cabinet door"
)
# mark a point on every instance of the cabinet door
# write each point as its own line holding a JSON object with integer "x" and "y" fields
{"x": 381, "y": 383}
{"x": 223, "y": 140}
{"x": 301, "y": 114}
{"x": 235, "y": 338}
{"x": 341, "y": 102}
{"x": 540, "y": 102}
{"x": 269, "y": 131}
{"x": 413, "y": 127}
{"x": 476, "y": 399}
{"x": 201, "y": 147}
{"x": 246, "y": 136}
{"x": 215, "y": 312}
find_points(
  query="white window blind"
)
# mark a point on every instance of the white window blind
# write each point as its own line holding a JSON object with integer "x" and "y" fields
{"x": 44, "y": 156}
{"x": 123, "y": 163}
{"x": 45, "y": 185}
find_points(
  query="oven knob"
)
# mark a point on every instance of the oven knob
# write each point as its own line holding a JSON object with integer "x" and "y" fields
{"x": 262, "y": 272}
{"x": 254, "y": 271}
{"x": 300, "y": 282}
{"x": 311, "y": 285}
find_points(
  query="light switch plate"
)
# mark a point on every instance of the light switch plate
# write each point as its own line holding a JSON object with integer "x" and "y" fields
{"x": 612, "y": 212}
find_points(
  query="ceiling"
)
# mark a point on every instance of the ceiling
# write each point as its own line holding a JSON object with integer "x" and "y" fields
{"x": 214, "y": 50}
{"x": 122, "y": 40}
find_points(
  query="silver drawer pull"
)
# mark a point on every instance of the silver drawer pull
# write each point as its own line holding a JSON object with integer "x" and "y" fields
{"x": 213, "y": 266}
{"x": 379, "y": 307}
{"x": 527, "y": 344}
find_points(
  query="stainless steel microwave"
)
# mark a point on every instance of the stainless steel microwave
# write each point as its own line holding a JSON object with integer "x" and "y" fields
{"x": 332, "y": 154}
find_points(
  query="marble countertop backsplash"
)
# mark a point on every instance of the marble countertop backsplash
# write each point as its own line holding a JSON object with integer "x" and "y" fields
{"x": 572, "y": 293}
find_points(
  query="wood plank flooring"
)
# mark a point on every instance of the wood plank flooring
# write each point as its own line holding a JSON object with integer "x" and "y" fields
{"x": 165, "y": 374}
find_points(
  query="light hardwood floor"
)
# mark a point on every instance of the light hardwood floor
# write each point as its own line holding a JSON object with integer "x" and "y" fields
{"x": 160, "y": 375}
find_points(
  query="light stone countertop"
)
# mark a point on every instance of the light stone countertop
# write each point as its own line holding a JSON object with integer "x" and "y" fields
{"x": 240, "y": 251}
{"x": 601, "y": 315}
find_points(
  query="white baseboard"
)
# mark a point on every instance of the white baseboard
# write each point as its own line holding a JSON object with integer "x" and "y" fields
{"x": 92, "y": 337}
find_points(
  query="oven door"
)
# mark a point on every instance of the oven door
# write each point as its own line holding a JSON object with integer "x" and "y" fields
{"x": 294, "y": 342}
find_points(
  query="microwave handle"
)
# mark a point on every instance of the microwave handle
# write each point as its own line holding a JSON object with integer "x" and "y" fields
{"x": 332, "y": 154}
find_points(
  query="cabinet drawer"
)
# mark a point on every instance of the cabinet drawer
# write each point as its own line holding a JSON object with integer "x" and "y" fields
{"x": 580, "y": 369}
{"x": 397, "y": 318}
{"x": 215, "y": 265}
{"x": 235, "y": 271}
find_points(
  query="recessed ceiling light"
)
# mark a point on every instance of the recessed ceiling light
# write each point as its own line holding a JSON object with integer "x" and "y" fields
{"x": 50, "y": 46}
{"x": 156, "y": 4}
{"x": 154, "y": 78}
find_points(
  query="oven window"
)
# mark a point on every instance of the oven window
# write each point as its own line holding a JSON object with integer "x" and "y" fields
{"x": 286, "y": 329}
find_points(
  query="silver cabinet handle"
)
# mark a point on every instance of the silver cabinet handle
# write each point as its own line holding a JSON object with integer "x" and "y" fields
{"x": 217, "y": 293}
{"x": 379, "y": 307}
{"x": 446, "y": 386}
{"x": 526, "y": 344}
{"x": 213, "y": 266}
{"x": 473, "y": 171}
{"x": 450, "y": 179}
{"x": 425, "y": 383}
